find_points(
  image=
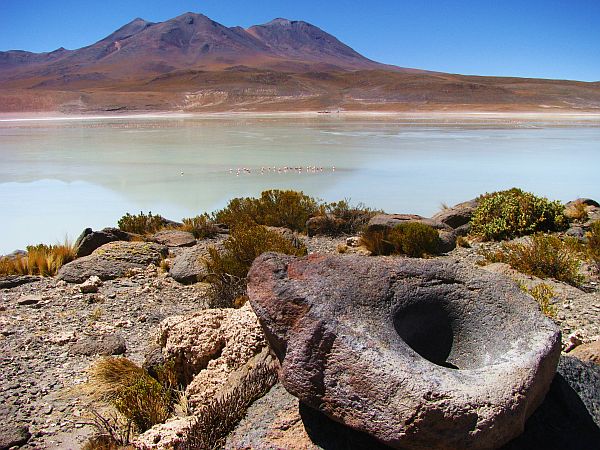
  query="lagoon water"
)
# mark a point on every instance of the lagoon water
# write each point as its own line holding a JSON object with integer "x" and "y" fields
{"x": 58, "y": 177}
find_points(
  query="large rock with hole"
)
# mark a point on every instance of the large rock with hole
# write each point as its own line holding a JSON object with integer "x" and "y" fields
{"x": 90, "y": 240}
{"x": 564, "y": 421}
{"x": 416, "y": 353}
{"x": 457, "y": 216}
{"x": 113, "y": 260}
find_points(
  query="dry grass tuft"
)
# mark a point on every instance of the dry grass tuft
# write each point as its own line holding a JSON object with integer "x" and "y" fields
{"x": 40, "y": 259}
{"x": 139, "y": 398}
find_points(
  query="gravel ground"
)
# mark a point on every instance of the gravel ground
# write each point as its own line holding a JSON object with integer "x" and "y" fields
{"x": 40, "y": 322}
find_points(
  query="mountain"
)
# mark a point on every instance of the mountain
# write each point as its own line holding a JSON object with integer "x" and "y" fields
{"x": 193, "y": 63}
{"x": 189, "y": 41}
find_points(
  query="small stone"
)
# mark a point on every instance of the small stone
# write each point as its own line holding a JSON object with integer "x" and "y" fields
{"x": 353, "y": 241}
{"x": 573, "y": 340}
{"x": 91, "y": 285}
{"x": 29, "y": 300}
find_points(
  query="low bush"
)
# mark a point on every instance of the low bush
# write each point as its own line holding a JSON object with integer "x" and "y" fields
{"x": 200, "y": 226}
{"x": 413, "y": 239}
{"x": 593, "y": 244}
{"x": 543, "y": 295}
{"x": 543, "y": 256}
{"x": 274, "y": 208}
{"x": 576, "y": 212}
{"x": 141, "y": 223}
{"x": 40, "y": 259}
{"x": 512, "y": 213}
{"x": 228, "y": 269}
{"x": 355, "y": 218}
{"x": 130, "y": 390}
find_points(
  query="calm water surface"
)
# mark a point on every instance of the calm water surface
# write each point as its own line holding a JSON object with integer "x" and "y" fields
{"x": 59, "y": 177}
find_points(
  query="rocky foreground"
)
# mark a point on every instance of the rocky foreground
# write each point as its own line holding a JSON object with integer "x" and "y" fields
{"x": 119, "y": 299}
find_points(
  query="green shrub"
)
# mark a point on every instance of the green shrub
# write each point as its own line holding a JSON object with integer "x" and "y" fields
{"x": 274, "y": 208}
{"x": 200, "y": 226}
{"x": 543, "y": 295}
{"x": 544, "y": 256}
{"x": 593, "y": 243}
{"x": 413, "y": 239}
{"x": 138, "y": 397}
{"x": 511, "y": 213}
{"x": 228, "y": 269}
{"x": 141, "y": 223}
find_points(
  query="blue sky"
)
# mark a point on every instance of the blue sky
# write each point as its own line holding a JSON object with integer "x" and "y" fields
{"x": 531, "y": 38}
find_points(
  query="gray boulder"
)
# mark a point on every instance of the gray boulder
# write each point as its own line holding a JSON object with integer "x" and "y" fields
{"x": 174, "y": 238}
{"x": 89, "y": 240}
{"x": 113, "y": 260}
{"x": 582, "y": 201}
{"x": 188, "y": 267}
{"x": 458, "y": 215}
{"x": 416, "y": 353}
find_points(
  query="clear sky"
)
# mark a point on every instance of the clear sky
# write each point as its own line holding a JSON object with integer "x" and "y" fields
{"x": 530, "y": 38}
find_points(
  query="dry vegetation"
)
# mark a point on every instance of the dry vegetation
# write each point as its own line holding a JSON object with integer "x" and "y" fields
{"x": 40, "y": 259}
{"x": 543, "y": 256}
{"x": 413, "y": 239}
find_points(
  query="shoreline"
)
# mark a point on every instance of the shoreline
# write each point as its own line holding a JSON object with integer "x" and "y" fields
{"x": 521, "y": 116}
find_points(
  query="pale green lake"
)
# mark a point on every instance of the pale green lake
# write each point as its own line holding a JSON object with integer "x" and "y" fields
{"x": 58, "y": 177}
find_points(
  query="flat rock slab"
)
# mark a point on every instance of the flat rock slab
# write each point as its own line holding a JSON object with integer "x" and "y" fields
{"x": 416, "y": 353}
{"x": 11, "y": 281}
{"x": 382, "y": 222}
{"x": 113, "y": 260}
{"x": 588, "y": 352}
{"x": 174, "y": 238}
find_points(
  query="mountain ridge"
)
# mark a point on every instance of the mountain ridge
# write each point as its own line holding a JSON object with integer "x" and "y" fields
{"x": 193, "y": 63}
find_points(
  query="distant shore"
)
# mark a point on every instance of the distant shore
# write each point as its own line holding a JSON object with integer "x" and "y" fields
{"x": 456, "y": 115}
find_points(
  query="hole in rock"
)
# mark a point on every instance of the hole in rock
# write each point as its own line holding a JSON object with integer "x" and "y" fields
{"x": 427, "y": 329}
